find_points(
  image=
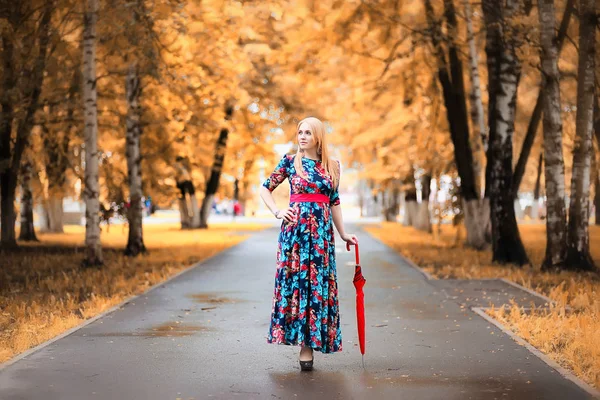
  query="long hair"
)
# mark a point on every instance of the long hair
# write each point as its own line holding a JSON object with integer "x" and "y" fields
{"x": 330, "y": 165}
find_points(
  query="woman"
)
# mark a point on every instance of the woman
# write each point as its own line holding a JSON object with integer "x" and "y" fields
{"x": 305, "y": 311}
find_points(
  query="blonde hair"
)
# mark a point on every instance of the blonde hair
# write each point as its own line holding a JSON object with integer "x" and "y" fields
{"x": 329, "y": 164}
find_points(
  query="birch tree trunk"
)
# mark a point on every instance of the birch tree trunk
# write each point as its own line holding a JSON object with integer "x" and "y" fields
{"x": 450, "y": 75}
{"x": 93, "y": 252}
{"x": 554, "y": 168}
{"x": 504, "y": 71}
{"x": 476, "y": 217}
{"x": 56, "y": 151}
{"x": 578, "y": 252}
{"x": 55, "y": 167}
{"x": 536, "y": 115}
{"x": 27, "y": 230}
{"x": 479, "y": 138}
{"x": 135, "y": 240}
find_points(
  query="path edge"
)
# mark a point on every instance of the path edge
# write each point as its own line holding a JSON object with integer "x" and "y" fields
{"x": 430, "y": 277}
{"x": 530, "y": 291}
{"x": 481, "y": 312}
{"x": 565, "y": 373}
{"x": 404, "y": 258}
{"x": 48, "y": 342}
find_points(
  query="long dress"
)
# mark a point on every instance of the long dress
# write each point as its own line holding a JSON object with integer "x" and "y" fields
{"x": 306, "y": 249}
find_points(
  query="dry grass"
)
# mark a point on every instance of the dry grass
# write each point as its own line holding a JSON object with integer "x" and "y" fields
{"x": 570, "y": 338}
{"x": 44, "y": 291}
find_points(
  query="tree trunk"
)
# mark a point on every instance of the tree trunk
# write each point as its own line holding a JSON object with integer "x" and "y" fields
{"x": 392, "y": 205}
{"x": 503, "y": 73}
{"x": 93, "y": 252}
{"x": 385, "y": 203}
{"x": 186, "y": 221}
{"x": 450, "y": 75}
{"x": 245, "y": 191}
{"x": 597, "y": 121}
{"x": 475, "y": 215}
{"x": 10, "y": 155}
{"x": 54, "y": 214}
{"x": 412, "y": 211}
{"x": 236, "y": 189}
{"x": 410, "y": 207}
{"x": 135, "y": 240}
{"x": 195, "y": 216}
{"x": 7, "y": 213}
{"x": 215, "y": 174}
{"x": 479, "y": 135}
{"x": 456, "y": 101}
{"x": 536, "y": 115}
{"x": 423, "y": 217}
{"x": 205, "y": 210}
{"x": 371, "y": 205}
{"x": 475, "y": 237}
{"x": 56, "y": 151}
{"x": 597, "y": 134}
{"x": 597, "y": 199}
{"x": 554, "y": 167}
{"x": 535, "y": 212}
{"x": 578, "y": 252}
{"x": 27, "y": 230}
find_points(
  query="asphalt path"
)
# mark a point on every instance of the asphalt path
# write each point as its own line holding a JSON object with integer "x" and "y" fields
{"x": 202, "y": 335}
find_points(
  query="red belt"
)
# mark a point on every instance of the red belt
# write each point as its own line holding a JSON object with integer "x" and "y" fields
{"x": 309, "y": 197}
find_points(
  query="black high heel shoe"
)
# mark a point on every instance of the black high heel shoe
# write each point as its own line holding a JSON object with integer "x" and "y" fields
{"x": 306, "y": 365}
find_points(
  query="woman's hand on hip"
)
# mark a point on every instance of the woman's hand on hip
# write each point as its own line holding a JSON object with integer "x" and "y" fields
{"x": 287, "y": 214}
{"x": 349, "y": 238}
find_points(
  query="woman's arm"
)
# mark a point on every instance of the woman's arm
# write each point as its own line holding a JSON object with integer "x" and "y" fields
{"x": 267, "y": 197}
{"x": 338, "y": 221}
{"x": 279, "y": 174}
{"x": 286, "y": 214}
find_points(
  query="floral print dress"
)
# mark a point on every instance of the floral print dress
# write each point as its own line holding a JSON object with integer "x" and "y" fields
{"x": 305, "y": 299}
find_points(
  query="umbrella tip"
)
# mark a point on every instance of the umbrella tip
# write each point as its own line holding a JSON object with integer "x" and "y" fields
{"x": 363, "y": 361}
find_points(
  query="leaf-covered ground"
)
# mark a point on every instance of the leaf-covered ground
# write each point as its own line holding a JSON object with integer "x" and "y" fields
{"x": 44, "y": 291}
{"x": 569, "y": 337}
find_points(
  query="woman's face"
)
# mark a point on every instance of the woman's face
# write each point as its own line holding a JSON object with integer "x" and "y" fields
{"x": 306, "y": 137}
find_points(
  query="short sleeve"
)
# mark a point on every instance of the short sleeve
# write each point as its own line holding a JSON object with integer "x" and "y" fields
{"x": 334, "y": 197}
{"x": 279, "y": 174}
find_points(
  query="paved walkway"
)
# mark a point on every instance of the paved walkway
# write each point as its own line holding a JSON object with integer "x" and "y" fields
{"x": 202, "y": 335}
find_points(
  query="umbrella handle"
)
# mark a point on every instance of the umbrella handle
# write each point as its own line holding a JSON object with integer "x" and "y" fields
{"x": 355, "y": 251}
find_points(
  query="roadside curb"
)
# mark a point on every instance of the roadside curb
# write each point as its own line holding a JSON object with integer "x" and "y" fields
{"x": 481, "y": 312}
{"x": 112, "y": 309}
{"x": 531, "y": 292}
{"x": 551, "y": 363}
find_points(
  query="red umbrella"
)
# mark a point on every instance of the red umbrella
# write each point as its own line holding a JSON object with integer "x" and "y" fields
{"x": 359, "y": 281}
